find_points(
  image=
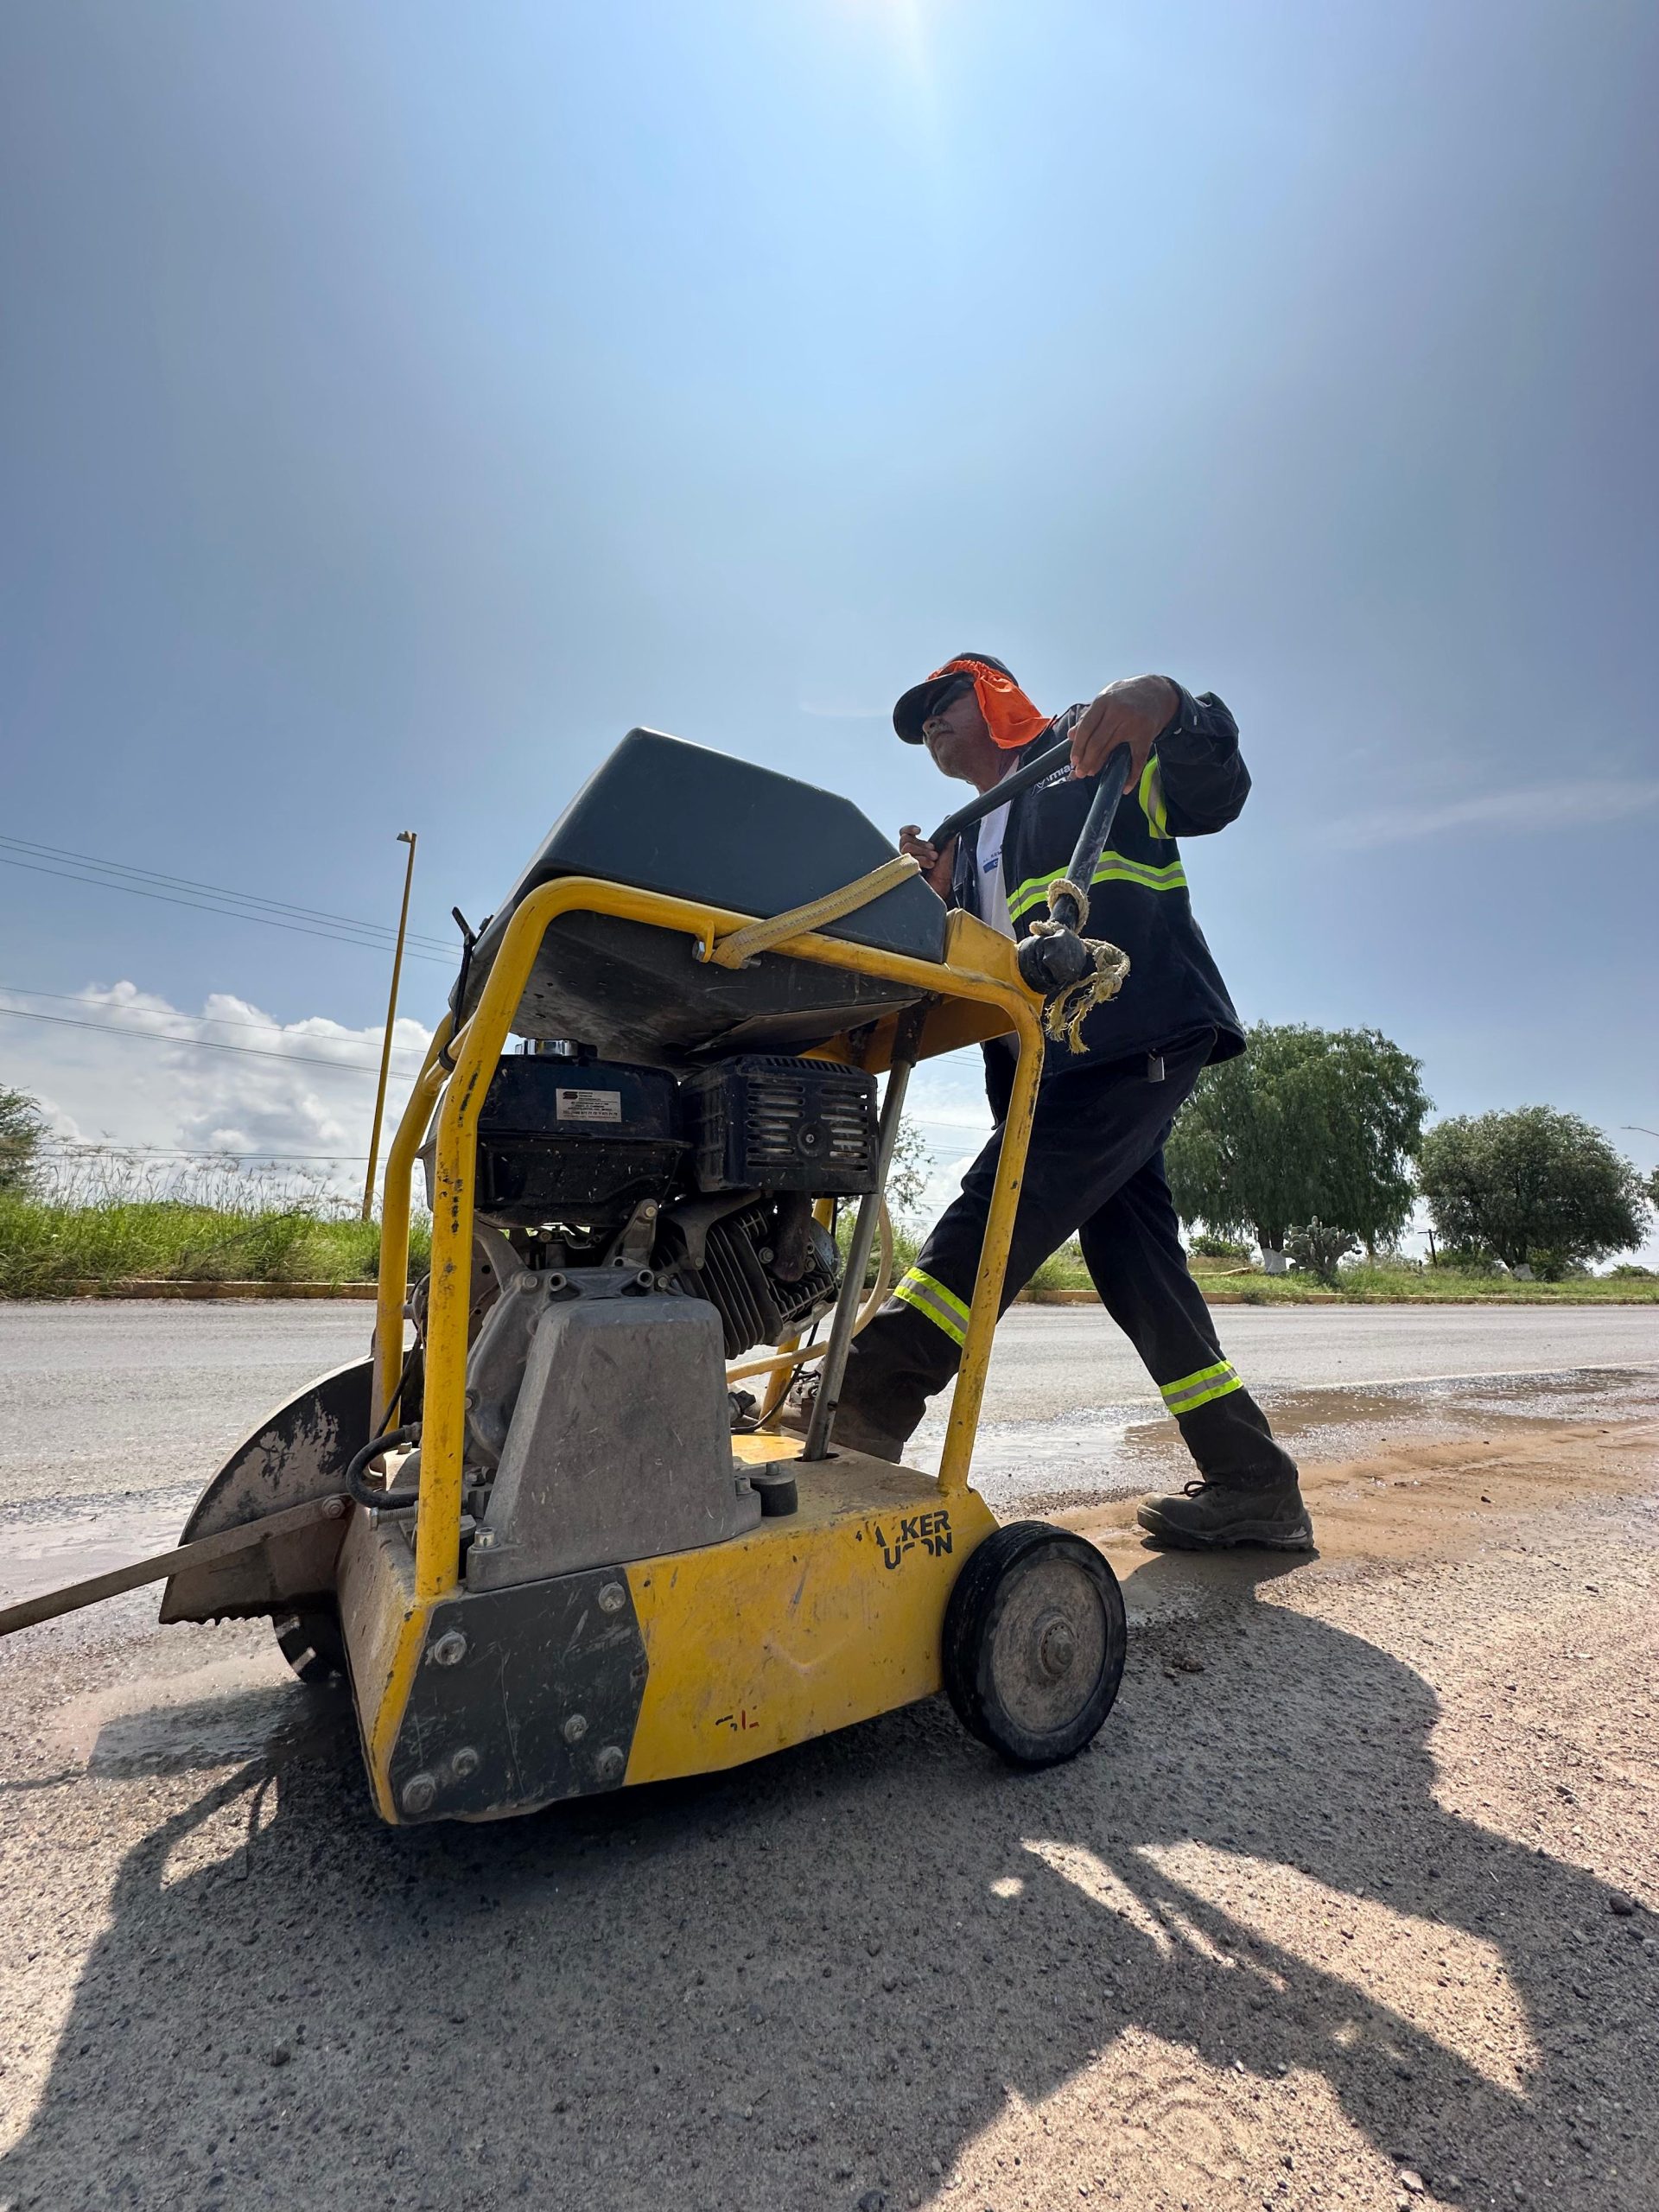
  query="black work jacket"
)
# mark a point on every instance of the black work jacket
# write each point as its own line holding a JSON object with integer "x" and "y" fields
{"x": 1194, "y": 782}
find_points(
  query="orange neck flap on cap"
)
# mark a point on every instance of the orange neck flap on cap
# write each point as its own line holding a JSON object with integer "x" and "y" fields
{"x": 1010, "y": 717}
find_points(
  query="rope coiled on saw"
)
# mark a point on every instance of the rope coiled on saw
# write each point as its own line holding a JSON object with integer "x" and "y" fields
{"x": 1064, "y": 1011}
{"x": 741, "y": 945}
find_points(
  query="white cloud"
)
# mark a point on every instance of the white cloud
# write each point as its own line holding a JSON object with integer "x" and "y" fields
{"x": 1569, "y": 804}
{"x": 231, "y": 1078}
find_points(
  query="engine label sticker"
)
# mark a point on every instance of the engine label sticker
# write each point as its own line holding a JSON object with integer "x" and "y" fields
{"x": 930, "y": 1531}
{"x": 590, "y": 1106}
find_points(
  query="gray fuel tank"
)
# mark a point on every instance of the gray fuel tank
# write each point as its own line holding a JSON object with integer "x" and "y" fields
{"x": 700, "y": 825}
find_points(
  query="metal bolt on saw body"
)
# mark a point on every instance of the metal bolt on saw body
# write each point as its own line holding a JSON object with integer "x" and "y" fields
{"x": 610, "y": 1765}
{"x": 464, "y": 1763}
{"x": 575, "y": 1728}
{"x": 612, "y": 1598}
{"x": 450, "y": 1650}
{"x": 420, "y": 1793}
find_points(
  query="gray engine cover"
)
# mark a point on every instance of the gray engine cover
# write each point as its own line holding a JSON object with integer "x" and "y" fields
{"x": 620, "y": 1444}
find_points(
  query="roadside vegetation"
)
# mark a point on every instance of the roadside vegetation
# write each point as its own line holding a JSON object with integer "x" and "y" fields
{"x": 1305, "y": 1142}
{"x": 1314, "y": 1144}
{"x": 1390, "y": 1280}
{"x": 91, "y": 1217}
{"x": 1295, "y": 1169}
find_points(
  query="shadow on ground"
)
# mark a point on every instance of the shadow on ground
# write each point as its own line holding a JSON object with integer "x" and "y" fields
{"x": 824, "y": 1976}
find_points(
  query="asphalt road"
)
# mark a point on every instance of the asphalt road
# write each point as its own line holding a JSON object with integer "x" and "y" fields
{"x": 1353, "y": 1905}
{"x": 113, "y": 1398}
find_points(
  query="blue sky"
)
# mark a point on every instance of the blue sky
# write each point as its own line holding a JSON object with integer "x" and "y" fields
{"x": 398, "y": 402}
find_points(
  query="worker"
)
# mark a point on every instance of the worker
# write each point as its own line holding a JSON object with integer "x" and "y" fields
{"x": 1096, "y": 1166}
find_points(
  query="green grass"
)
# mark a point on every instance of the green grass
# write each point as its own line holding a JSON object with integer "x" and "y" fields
{"x": 1385, "y": 1284}
{"x": 105, "y": 1219}
{"x": 112, "y": 1224}
{"x": 49, "y": 1251}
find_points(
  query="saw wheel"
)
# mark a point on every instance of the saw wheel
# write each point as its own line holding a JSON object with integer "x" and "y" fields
{"x": 1034, "y": 1644}
{"x": 313, "y": 1646}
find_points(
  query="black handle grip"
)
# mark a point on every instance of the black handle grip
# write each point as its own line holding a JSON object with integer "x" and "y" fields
{"x": 1086, "y": 858}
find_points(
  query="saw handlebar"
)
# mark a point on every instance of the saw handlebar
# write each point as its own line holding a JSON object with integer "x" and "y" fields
{"x": 1097, "y": 827}
{"x": 1000, "y": 794}
{"x": 1108, "y": 789}
{"x": 1054, "y": 957}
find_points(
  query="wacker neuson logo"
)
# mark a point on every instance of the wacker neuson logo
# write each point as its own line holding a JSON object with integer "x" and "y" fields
{"x": 930, "y": 1531}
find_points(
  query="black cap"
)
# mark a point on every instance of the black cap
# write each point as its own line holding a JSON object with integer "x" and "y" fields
{"x": 918, "y": 703}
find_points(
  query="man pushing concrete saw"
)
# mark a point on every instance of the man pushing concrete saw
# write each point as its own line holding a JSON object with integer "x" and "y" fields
{"x": 1109, "y": 1092}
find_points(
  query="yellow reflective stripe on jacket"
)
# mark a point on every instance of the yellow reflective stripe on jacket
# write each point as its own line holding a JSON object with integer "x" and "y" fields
{"x": 935, "y": 1303}
{"x": 1114, "y": 869}
{"x": 1151, "y": 795}
{"x": 1194, "y": 1390}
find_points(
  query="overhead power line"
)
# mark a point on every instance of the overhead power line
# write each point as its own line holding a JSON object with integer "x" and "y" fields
{"x": 221, "y": 891}
{"x": 68, "y": 1149}
{"x": 191, "y": 1044}
{"x": 167, "y": 1013}
{"x": 208, "y": 907}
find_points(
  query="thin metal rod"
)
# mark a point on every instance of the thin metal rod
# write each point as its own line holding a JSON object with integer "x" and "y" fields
{"x": 834, "y": 1369}
{"x": 404, "y": 837}
{"x": 205, "y": 1551}
{"x": 392, "y": 1288}
{"x": 965, "y": 1400}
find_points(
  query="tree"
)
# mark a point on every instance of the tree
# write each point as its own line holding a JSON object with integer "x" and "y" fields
{"x": 1307, "y": 1125}
{"x": 911, "y": 1168}
{"x": 1534, "y": 1188}
{"x": 22, "y": 1125}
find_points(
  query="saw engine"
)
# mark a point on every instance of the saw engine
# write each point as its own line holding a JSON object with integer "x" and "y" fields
{"x": 705, "y": 1183}
{"x": 637, "y": 1228}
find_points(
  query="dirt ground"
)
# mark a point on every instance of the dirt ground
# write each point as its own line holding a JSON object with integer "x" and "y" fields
{"x": 1355, "y": 1901}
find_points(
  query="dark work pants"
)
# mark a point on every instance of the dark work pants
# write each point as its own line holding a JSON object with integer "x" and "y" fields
{"x": 1096, "y": 1171}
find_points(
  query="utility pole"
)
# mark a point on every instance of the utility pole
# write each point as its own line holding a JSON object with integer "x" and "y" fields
{"x": 404, "y": 837}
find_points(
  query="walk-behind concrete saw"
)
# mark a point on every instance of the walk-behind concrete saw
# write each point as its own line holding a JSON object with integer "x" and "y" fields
{"x": 552, "y": 1540}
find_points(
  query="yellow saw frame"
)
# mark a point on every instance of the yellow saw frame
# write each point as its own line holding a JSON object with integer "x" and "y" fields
{"x": 800, "y": 1626}
{"x": 478, "y": 1696}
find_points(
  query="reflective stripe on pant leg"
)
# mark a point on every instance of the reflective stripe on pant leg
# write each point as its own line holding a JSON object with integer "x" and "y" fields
{"x": 1194, "y": 1390}
{"x": 934, "y": 1303}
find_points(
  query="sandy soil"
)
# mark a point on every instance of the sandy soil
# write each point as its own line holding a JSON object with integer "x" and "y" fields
{"x": 1354, "y": 1904}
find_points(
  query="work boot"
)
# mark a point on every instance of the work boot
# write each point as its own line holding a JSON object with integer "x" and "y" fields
{"x": 1211, "y": 1517}
{"x": 853, "y": 1430}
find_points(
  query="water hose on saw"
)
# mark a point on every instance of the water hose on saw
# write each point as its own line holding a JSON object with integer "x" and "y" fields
{"x": 383, "y": 1500}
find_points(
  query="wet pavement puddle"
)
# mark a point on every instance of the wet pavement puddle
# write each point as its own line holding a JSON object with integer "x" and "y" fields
{"x": 1117, "y": 1451}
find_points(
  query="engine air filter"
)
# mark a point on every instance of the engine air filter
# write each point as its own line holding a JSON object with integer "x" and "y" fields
{"x": 773, "y": 1123}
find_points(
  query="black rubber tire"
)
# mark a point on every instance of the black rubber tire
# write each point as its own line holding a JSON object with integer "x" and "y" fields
{"x": 998, "y": 1645}
{"x": 312, "y": 1646}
